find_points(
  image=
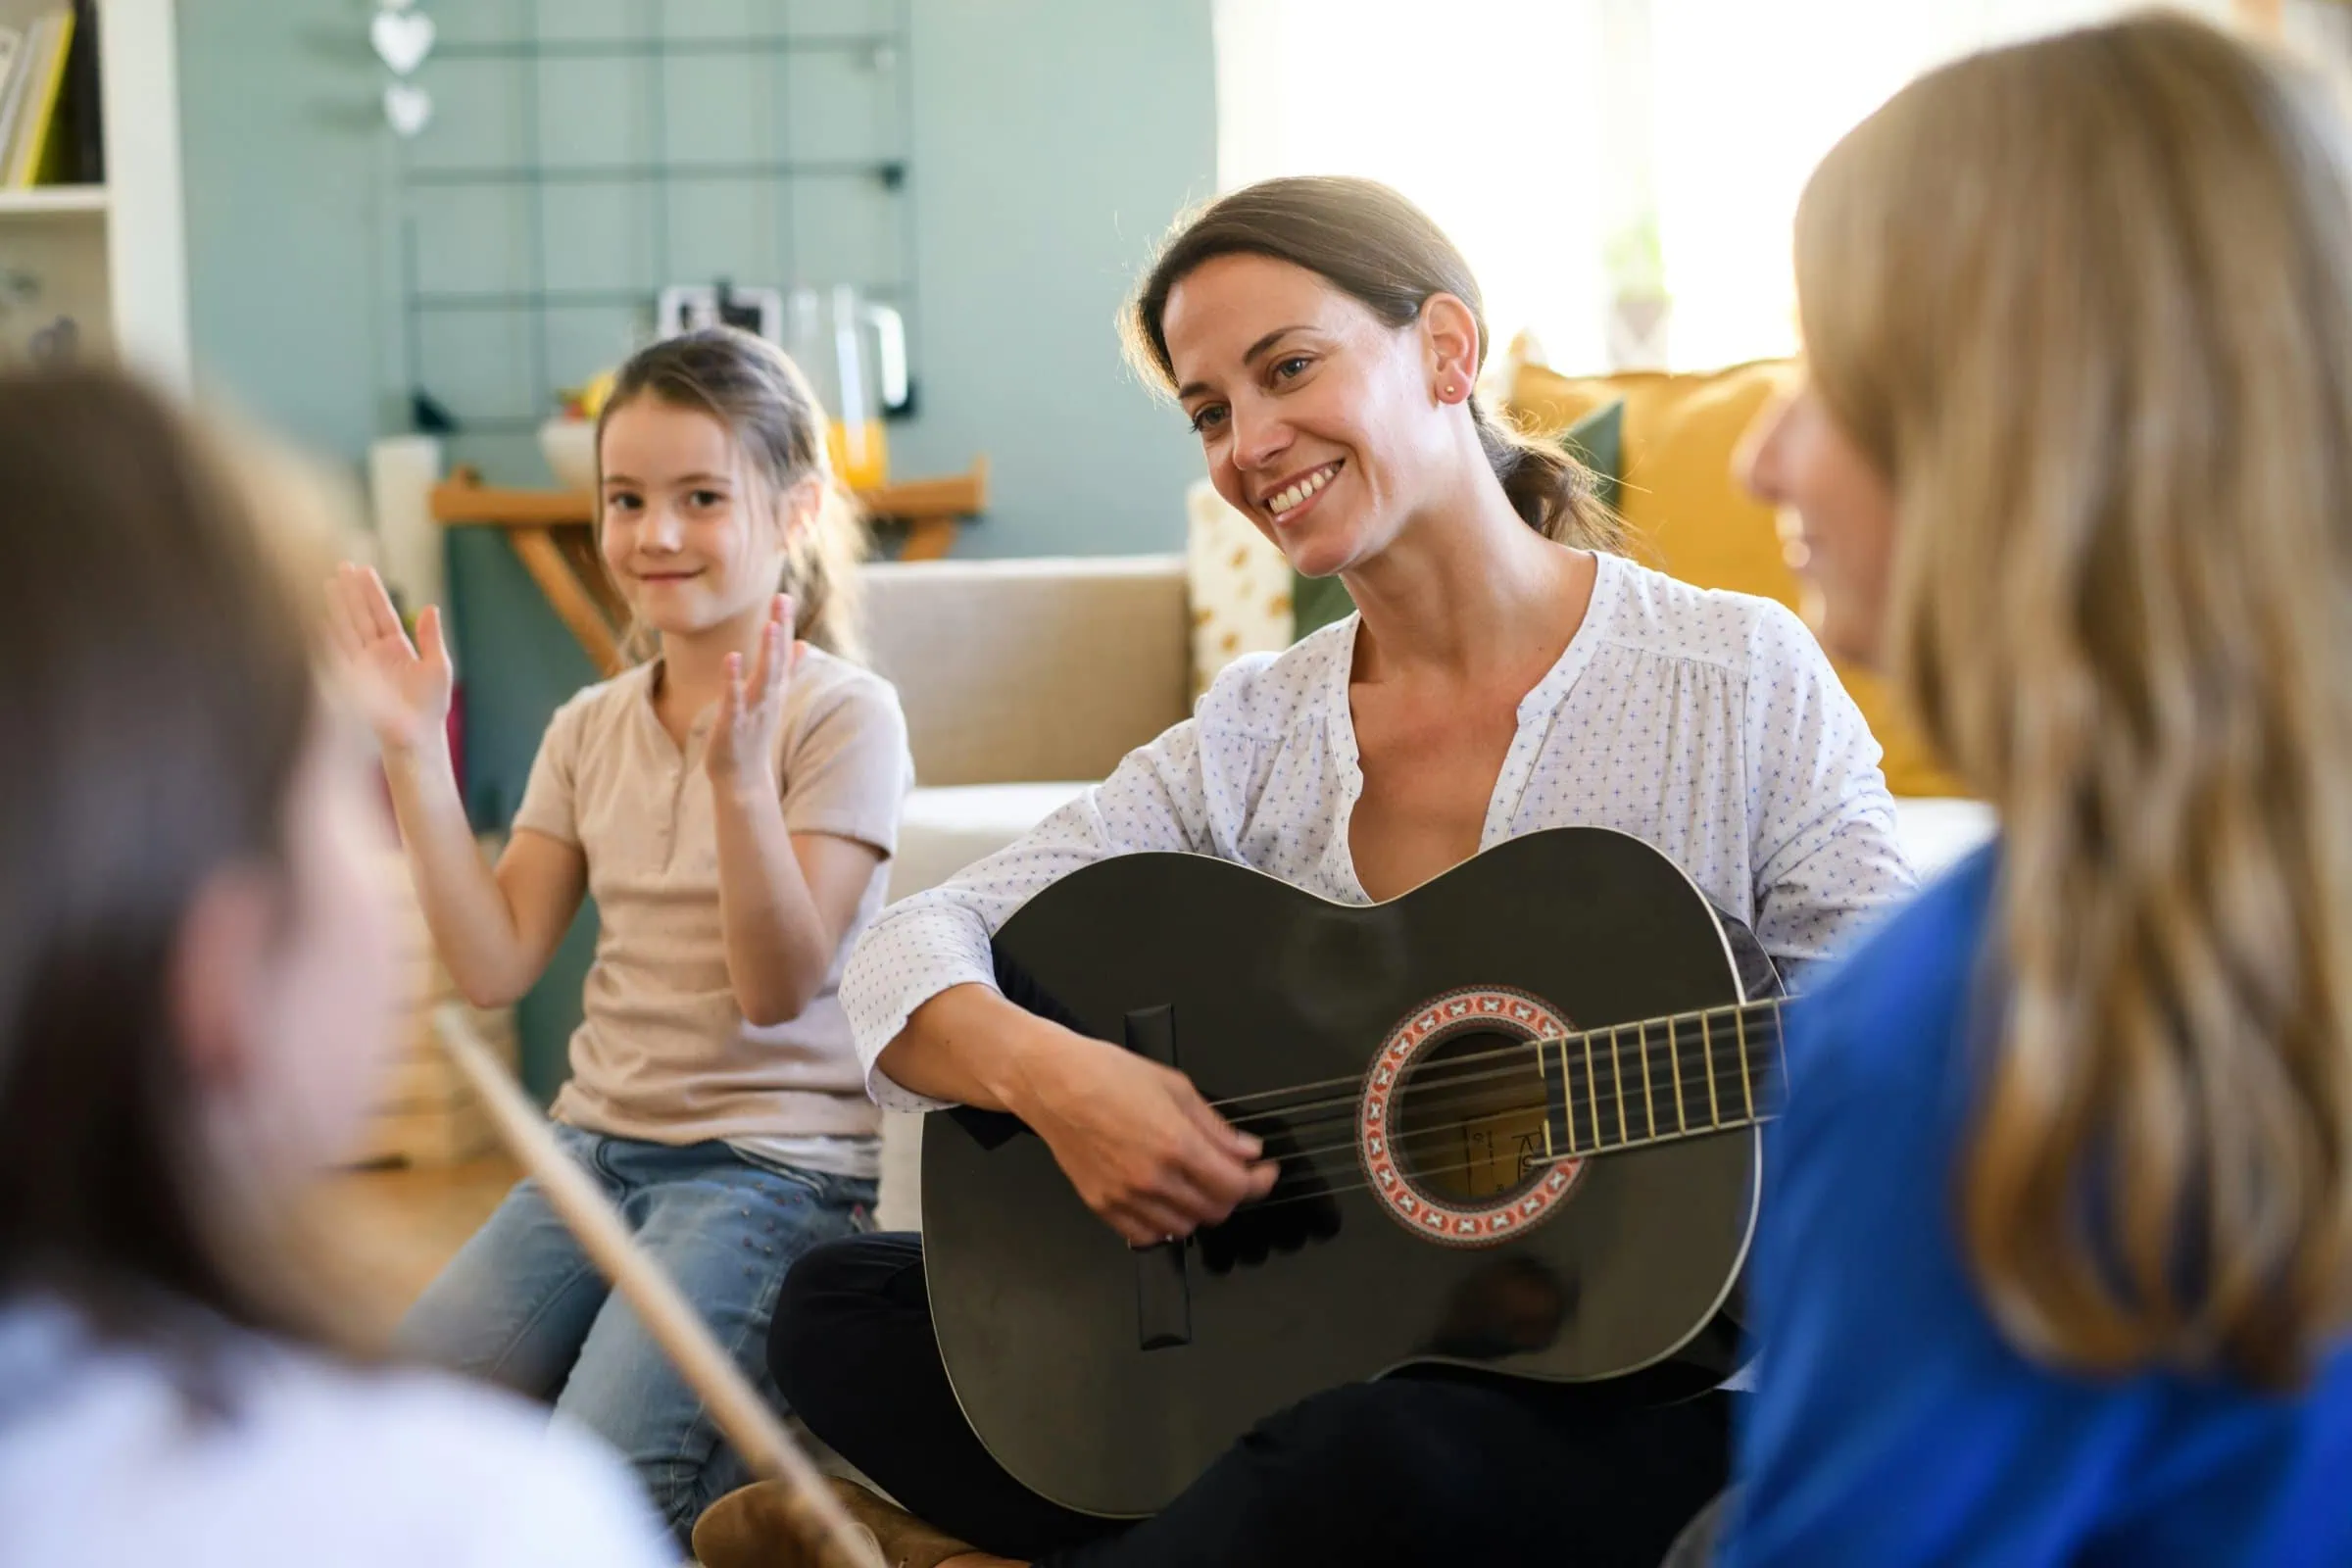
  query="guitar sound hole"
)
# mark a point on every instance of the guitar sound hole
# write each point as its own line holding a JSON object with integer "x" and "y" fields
{"x": 1471, "y": 1131}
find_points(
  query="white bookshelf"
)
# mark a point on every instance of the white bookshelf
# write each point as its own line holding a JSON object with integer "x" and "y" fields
{"x": 47, "y": 199}
{"x": 114, "y": 257}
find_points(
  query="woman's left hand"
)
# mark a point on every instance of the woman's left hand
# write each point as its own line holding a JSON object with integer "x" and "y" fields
{"x": 742, "y": 737}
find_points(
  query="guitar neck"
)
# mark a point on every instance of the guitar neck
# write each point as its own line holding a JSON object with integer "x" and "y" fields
{"x": 1660, "y": 1079}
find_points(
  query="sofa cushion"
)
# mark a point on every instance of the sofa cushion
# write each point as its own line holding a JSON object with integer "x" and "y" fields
{"x": 1029, "y": 669}
{"x": 946, "y": 828}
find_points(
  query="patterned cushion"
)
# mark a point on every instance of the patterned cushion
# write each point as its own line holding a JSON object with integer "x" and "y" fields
{"x": 1240, "y": 585}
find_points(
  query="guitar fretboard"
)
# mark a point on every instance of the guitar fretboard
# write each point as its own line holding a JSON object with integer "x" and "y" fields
{"x": 1662, "y": 1079}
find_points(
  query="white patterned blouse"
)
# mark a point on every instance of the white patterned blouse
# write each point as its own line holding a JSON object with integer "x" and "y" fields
{"x": 1708, "y": 724}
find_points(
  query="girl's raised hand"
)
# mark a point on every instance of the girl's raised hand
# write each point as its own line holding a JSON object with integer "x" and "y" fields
{"x": 409, "y": 705}
{"x": 742, "y": 737}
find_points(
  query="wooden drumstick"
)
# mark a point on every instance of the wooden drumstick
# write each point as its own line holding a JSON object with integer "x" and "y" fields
{"x": 741, "y": 1414}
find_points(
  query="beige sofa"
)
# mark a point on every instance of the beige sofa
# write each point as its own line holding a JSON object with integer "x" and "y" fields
{"x": 1024, "y": 680}
{"x": 1021, "y": 679}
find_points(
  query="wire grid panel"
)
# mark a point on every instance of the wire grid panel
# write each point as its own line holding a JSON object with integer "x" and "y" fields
{"x": 585, "y": 154}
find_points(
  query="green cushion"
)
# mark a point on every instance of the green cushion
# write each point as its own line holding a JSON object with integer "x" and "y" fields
{"x": 1598, "y": 441}
{"x": 1317, "y": 602}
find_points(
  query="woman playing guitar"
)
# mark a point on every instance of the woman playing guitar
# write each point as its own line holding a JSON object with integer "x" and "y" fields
{"x": 1508, "y": 672}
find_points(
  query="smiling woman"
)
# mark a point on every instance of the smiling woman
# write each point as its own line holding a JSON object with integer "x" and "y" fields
{"x": 1294, "y": 248}
{"x": 1506, "y": 673}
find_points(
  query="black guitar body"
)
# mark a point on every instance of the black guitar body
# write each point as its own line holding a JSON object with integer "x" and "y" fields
{"x": 1107, "y": 1379}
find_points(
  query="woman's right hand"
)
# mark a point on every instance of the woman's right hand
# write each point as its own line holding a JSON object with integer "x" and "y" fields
{"x": 410, "y": 705}
{"x": 1138, "y": 1142}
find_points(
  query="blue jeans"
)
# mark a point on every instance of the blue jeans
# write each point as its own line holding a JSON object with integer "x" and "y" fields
{"x": 521, "y": 1304}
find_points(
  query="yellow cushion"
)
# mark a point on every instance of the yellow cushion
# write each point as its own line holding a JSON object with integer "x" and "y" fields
{"x": 1689, "y": 517}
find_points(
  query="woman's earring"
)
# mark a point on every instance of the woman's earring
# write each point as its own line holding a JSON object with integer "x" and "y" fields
{"x": 1447, "y": 392}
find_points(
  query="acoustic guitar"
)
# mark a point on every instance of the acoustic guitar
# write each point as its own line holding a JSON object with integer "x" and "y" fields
{"x": 1515, "y": 1116}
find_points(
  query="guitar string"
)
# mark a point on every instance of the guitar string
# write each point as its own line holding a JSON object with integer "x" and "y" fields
{"x": 1261, "y": 1206}
{"x": 1600, "y": 1142}
{"x": 1516, "y": 1047}
{"x": 1435, "y": 1103}
{"x": 1754, "y": 1013}
{"x": 1416, "y": 1086}
{"x": 1721, "y": 1059}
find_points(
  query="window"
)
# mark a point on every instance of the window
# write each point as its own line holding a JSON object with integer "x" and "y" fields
{"x": 1578, "y": 150}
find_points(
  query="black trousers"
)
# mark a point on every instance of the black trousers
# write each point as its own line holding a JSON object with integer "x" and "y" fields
{"x": 1423, "y": 1468}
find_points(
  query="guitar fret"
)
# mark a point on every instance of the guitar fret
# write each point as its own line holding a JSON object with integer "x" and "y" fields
{"x": 1649, "y": 1107}
{"x": 1568, "y": 1097}
{"x": 1584, "y": 1132}
{"x": 1706, "y": 1048}
{"x": 1544, "y": 1072}
{"x": 1747, "y": 1088}
{"x": 1617, "y": 1084}
{"x": 1674, "y": 1054}
{"x": 1592, "y": 1091}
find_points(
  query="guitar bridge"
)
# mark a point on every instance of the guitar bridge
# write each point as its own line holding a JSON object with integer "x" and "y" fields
{"x": 1163, "y": 1294}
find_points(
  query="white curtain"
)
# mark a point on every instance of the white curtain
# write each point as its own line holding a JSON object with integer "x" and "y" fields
{"x": 1575, "y": 149}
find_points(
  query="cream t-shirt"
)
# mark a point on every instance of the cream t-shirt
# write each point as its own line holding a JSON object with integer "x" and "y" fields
{"x": 663, "y": 1052}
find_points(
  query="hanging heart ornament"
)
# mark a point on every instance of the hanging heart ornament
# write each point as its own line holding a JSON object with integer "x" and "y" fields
{"x": 407, "y": 106}
{"x": 402, "y": 40}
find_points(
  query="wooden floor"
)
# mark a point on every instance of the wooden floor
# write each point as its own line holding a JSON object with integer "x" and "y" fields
{"x": 396, "y": 1227}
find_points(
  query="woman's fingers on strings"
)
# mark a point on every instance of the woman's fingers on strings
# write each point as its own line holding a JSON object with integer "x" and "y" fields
{"x": 1216, "y": 1129}
{"x": 1263, "y": 1177}
{"x": 1214, "y": 1177}
{"x": 1196, "y": 1198}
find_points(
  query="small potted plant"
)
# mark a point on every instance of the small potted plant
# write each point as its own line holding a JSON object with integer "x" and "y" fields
{"x": 568, "y": 440}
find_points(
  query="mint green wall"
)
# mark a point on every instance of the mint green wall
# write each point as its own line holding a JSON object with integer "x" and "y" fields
{"x": 282, "y": 162}
{"x": 1053, "y": 142}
